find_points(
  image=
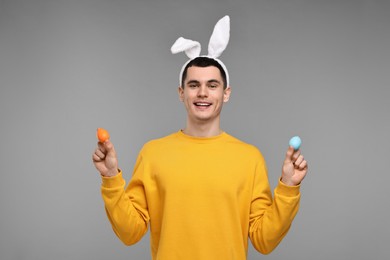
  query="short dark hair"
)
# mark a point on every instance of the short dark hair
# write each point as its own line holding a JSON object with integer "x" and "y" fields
{"x": 204, "y": 62}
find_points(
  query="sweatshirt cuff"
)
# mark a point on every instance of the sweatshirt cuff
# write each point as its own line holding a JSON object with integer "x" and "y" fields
{"x": 114, "y": 181}
{"x": 287, "y": 190}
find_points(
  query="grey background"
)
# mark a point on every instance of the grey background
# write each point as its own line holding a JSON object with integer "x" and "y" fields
{"x": 319, "y": 69}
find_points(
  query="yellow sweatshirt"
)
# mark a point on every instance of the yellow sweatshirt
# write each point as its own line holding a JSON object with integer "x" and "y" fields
{"x": 202, "y": 197}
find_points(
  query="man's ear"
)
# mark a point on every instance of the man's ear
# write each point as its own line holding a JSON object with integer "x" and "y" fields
{"x": 226, "y": 94}
{"x": 180, "y": 91}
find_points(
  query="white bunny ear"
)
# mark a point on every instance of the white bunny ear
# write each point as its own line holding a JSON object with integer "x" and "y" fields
{"x": 190, "y": 47}
{"x": 220, "y": 37}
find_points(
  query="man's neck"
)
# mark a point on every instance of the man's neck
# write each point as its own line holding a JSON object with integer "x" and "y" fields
{"x": 208, "y": 129}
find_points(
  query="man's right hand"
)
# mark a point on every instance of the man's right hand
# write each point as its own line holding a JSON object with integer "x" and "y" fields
{"x": 105, "y": 160}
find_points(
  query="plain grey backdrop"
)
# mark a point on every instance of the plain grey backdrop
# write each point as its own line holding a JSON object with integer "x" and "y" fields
{"x": 318, "y": 69}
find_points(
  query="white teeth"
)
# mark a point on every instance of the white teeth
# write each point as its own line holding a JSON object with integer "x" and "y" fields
{"x": 202, "y": 104}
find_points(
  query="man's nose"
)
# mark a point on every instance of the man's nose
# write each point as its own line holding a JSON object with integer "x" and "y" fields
{"x": 202, "y": 91}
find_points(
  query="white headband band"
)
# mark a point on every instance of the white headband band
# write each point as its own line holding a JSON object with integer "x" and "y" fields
{"x": 218, "y": 42}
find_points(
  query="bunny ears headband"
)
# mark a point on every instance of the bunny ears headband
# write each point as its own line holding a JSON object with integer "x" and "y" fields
{"x": 218, "y": 42}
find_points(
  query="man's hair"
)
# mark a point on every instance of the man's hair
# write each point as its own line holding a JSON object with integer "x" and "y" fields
{"x": 204, "y": 62}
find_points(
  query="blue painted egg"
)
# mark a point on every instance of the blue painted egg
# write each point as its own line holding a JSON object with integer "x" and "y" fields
{"x": 295, "y": 142}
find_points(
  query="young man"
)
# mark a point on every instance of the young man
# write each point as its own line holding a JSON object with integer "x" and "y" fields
{"x": 202, "y": 191}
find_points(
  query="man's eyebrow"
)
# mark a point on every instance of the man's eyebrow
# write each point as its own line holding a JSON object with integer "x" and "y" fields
{"x": 214, "y": 81}
{"x": 193, "y": 81}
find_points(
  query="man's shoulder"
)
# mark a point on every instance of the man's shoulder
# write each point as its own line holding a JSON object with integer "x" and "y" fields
{"x": 160, "y": 141}
{"x": 243, "y": 145}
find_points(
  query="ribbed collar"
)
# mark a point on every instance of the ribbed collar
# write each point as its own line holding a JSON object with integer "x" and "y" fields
{"x": 203, "y": 140}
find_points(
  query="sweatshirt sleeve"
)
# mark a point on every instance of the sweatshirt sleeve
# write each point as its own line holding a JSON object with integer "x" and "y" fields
{"x": 271, "y": 218}
{"x": 126, "y": 208}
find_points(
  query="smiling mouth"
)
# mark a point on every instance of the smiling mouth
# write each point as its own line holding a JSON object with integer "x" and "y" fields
{"x": 202, "y": 104}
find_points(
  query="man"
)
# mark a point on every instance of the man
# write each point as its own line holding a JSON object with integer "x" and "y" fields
{"x": 202, "y": 191}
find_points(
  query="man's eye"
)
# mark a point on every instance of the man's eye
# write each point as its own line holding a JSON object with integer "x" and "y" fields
{"x": 213, "y": 86}
{"x": 192, "y": 86}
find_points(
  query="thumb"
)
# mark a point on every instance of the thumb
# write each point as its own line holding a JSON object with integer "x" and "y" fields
{"x": 289, "y": 154}
{"x": 110, "y": 160}
{"x": 109, "y": 147}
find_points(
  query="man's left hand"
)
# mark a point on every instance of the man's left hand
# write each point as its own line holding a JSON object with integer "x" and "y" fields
{"x": 294, "y": 167}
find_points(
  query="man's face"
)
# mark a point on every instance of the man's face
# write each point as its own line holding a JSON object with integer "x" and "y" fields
{"x": 203, "y": 94}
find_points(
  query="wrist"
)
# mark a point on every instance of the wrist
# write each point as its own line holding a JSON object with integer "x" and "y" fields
{"x": 111, "y": 173}
{"x": 288, "y": 182}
